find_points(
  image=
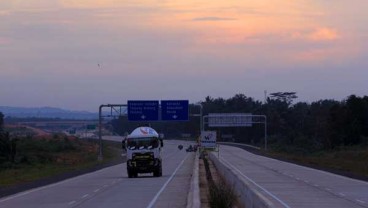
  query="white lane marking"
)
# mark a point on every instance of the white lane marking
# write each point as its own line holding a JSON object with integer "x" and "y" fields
{"x": 72, "y": 202}
{"x": 312, "y": 169}
{"x": 85, "y": 195}
{"x": 52, "y": 185}
{"x": 360, "y": 201}
{"x": 306, "y": 168}
{"x": 265, "y": 190}
{"x": 97, "y": 190}
{"x": 327, "y": 189}
{"x": 150, "y": 205}
{"x": 316, "y": 185}
{"x": 105, "y": 186}
{"x": 341, "y": 194}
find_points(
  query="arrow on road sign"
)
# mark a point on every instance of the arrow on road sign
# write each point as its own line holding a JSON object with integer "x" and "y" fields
{"x": 143, "y": 117}
{"x": 175, "y": 116}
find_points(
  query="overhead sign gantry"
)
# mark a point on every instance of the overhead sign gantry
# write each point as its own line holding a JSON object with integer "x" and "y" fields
{"x": 148, "y": 110}
{"x": 143, "y": 110}
{"x": 175, "y": 110}
{"x": 235, "y": 120}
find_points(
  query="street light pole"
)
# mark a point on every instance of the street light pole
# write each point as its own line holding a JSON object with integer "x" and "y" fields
{"x": 100, "y": 156}
{"x": 265, "y": 117}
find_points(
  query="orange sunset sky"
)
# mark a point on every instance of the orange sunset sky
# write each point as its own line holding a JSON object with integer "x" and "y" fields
{"x": 78, "y": 54}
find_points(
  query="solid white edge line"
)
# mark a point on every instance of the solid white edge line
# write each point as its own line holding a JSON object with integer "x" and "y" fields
{"x": 153, "y": 201}
{"x": 307, "y": 168}
{"x": 265, "y": 190}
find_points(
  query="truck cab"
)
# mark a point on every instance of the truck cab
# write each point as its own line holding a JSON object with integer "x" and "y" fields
{"x": 143, "y": 150}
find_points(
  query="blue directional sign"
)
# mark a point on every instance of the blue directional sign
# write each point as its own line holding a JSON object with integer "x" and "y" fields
{"x": 143, "y": 110}
{"x": 175, "y": 110}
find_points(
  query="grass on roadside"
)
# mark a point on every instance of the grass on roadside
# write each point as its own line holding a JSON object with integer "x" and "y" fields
{"x": 221, "y": 195}
{"x": 82, "y": 156}
{"x": 351, "y": 160}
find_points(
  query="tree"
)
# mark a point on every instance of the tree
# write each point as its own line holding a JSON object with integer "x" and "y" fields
{"x": 1, "y": 121}
{"x": 357, "y": 120}
{"x": 287, "y": 97}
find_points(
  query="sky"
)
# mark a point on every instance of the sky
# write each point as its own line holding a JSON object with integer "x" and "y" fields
{"x": 78, "y": 54}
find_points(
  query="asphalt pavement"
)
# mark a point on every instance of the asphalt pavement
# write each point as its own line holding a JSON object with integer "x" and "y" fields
{"x": 289, "y": 185}
{"x": 111, "y": 187}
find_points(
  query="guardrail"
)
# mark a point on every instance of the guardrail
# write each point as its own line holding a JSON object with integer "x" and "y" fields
{"x": 239, "y": 144}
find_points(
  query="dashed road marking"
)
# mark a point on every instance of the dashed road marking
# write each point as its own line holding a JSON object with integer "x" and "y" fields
{"x": 84, "y": 196}
{"x": 341, "y": 194}
{"x": 72, "y": 202}
{"x": 97, "y": 190}
{"x": 360, "y": 201}
{"x": 327, "y": 189}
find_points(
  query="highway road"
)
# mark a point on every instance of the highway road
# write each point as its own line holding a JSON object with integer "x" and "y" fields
{"x": 110, "y": 187}
{"x": 290, "y": 185}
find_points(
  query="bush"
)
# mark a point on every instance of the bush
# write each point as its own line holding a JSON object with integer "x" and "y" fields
{"x": 221, "y": 195}
{"x": 31, "y": 150}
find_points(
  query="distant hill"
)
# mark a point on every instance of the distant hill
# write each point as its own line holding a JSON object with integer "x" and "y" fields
{"x": 46, "y": 112}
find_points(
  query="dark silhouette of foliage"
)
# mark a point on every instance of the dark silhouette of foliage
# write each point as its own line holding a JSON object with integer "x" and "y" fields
{"x": 287, "y": 97}
{"x": 1, "y": 121}
{"x": 303, "y": 127}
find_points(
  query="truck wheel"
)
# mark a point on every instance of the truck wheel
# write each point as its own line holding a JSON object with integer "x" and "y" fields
{"x": 135, "y": 175}
{"x": 156, "y": 172}
{"x": 130, "y": 174}
{"x": 160, "y": 172}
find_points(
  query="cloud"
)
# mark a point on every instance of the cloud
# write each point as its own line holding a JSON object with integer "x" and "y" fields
{"x": 323, "y": 34}
{"x": 213, "y": 19}
{"x": 4, "y": 13}
{"x": 318, "y": 35}
{"x": 4, "y": 41}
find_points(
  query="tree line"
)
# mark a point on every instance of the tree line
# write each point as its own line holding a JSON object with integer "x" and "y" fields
{"x": 302, "y": 126}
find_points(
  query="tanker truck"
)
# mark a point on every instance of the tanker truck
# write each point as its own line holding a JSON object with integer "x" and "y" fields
{"x": 143, "y": 151}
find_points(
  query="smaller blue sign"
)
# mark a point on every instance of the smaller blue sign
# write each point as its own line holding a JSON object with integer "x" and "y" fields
{"x": 175, "y": 110}
{"x": 143, "y": 110}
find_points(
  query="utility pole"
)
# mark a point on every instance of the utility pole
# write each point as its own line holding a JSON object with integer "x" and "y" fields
{"x": 265, "y": 94}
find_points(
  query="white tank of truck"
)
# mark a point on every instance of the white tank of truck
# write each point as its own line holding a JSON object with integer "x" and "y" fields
{"x": 143, "y": 150}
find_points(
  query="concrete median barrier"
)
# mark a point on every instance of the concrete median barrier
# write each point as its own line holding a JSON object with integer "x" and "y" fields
{"x": 194, "y": 200}
{"x": 249, "y": 194}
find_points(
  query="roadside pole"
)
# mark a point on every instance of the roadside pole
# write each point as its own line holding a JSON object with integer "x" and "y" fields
{"x": 100, "y": 156}
{"x": 115, "y": 111}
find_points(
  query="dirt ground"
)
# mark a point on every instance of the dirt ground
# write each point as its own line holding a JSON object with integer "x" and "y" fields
{"x": 204, "y": 184}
